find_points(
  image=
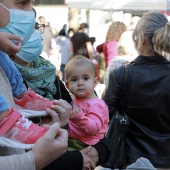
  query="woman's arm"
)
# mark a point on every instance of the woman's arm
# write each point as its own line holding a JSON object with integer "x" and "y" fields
{"x": 47, "y": 149}
{"x": 23, "y": 161}
{"x": 81, "y": 160}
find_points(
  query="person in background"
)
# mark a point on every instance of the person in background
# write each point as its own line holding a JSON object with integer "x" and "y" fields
{"x": 126, "y": 51}
{"x": 95, "y": 56}
{"x": 55, "y": 54}
{"x": 148, "y": 134}
{"x": 134, "y": 21}
{"x": 47, "y": 35}
{"x": 84, "y": 27}
{"x": 81, "y": 45}
{"x": 109, "y": 47}
{"x": 70, "y": 33}
{"x": 63, "y": 42}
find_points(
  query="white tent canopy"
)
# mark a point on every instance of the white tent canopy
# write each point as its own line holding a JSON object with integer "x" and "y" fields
{"x": 142, "y": 5}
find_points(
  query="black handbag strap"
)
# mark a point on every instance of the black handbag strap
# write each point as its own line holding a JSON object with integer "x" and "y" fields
{"x": 126, "y": 74}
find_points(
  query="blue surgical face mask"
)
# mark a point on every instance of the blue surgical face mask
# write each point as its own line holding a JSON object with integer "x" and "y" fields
{"x": 32, "y": 49}
{"x": 21, "y": 23}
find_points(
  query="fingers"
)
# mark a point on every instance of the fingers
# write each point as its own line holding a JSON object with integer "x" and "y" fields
{"x": 63, "y": 134}
{"x": 54, "y": 115}
{"x": 52, "y": 131}
{"x": 16, "y": 47}
{"x": 86, "y": 150}
{"x": 88, "y": 164}
{"x": 46, "y": 126}
{"x": 18, "y": 44}
{"x": 62, "y": 103}
{"x": 63, "y": 109}
{"x": 57, "y": 108}
{"x": 14, "y": 37}
{"x": 92, "y": 165}
{"x": 73, "y": 113}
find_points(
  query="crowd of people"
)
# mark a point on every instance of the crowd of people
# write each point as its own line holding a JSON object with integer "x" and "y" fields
{"x": 48, "y": 122}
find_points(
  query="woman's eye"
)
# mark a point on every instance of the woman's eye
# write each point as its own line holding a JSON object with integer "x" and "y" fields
{"x": 22, "y": 2}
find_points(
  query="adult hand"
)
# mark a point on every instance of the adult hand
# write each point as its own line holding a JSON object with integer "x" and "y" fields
{"x": 92, "y": 153}
{"x": 63, "y": 108}
{"x": 51, "y": 146}
{"x": 7, "y": 46}
{"x": 88, "y": 164}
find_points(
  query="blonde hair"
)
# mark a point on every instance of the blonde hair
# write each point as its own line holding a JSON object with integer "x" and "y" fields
{"x": 78, "y": 61}
{"x": 155, "y": 26}
{"x": 115, "y": 31}
{"x": 126, "y": 45}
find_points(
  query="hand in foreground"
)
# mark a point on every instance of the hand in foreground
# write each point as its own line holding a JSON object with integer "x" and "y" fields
{"x": 92, "y": 153}
{"x": 88, "y": 163}
{"x": 7, "y": 46}
{"x": 63, "y": 109}
{"x": 51, "y": 146}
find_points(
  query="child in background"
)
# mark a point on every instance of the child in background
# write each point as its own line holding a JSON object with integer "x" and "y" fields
{"x": 89, "y": 118}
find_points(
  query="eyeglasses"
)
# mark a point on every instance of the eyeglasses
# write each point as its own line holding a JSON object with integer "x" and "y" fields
{"x": 40, "y": 27}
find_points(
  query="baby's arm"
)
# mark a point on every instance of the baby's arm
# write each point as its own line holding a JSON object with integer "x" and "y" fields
{"x": 90, "y": 121}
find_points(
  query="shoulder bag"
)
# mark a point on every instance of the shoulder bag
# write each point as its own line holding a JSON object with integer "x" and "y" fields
{"x": 119, "y": 122}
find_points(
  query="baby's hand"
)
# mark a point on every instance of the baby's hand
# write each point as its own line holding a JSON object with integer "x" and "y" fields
{"x": 74, "y": 112}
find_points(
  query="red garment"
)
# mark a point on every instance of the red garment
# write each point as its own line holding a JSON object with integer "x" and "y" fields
{"x": 110, "y": 51}
{"x": 99, "y": 48}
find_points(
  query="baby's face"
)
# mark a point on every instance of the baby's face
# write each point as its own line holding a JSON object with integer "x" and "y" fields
{"x": 82, "y": 81}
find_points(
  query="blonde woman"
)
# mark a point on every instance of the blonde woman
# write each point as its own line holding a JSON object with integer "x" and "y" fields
{"x": 148, "y": 106}
{"x": 126, "y": 54}
{"x": 109, "y": 48}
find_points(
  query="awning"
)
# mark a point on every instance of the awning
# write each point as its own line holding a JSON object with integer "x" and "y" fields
{"x": 142, "y": 5}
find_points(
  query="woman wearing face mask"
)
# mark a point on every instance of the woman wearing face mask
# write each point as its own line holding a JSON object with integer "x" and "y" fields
{"x": 148, "y": 107}
{"x": 38, "y": 157}
{"x": 39, "y": 74}
{"x": 21, "y": 23}
{"x": 81, "y": 160}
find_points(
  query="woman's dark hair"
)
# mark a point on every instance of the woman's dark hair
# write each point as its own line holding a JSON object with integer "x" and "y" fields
{"x": 70, "y": 29}
{"x": 62, "y": 32}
